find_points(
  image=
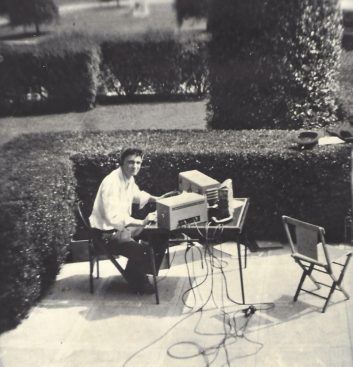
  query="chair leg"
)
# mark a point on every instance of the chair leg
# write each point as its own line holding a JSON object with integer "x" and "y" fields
{"x": 246, "y": 257}
{"x": 245, "y": 242}
{"x": 340, "y": 278}
{"x": 154, "y": 273}
{"x": 91, "y": 266}
{"x": 305, "y": 273}
{"x": 332, "y": 289}
{"x": 168, "y": 256}
{"x": 97, "y": 260}
{"x": 336, "y": 284}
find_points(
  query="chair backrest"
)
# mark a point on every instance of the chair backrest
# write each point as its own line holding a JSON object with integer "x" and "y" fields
{"x": 306, "y": 239}
{"x": 83, "y": 216}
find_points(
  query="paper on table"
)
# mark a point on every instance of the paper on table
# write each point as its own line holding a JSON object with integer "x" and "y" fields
{"x": 237, "y": 203}
{"x": 330, "y": 140}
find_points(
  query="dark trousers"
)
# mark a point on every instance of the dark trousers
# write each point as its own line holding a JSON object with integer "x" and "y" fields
{"x": 138, "y": 253}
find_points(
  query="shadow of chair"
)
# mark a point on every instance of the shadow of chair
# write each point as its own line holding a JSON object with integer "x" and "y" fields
{"x": 311, "y": 253}
{"x": 98, "y": 248}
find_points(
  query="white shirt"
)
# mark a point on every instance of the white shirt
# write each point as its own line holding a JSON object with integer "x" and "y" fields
{"x": 113, "y": 203}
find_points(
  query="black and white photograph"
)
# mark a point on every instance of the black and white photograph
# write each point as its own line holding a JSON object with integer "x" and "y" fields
{"x": 176, "y": 183}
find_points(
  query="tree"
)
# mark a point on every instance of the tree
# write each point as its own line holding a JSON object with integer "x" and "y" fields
{"x": 274, "y": 63}
{"x": 31, "y": 12}
{"x": 3, "y": 7}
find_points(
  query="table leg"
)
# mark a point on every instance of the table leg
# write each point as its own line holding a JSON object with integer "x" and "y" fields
{"x": 241, "y": 271}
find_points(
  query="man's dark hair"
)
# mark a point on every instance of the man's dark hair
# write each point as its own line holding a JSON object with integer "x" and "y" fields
{"x": 130, "y": 151}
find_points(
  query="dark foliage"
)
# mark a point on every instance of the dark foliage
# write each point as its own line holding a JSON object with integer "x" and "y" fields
{"x": 273, "y": 64}
{"x": 162, "y": 65}
{"x": 3, "y": 7}
{"x": 32, "y": 12}
{"x": 65, "y": 73}
{"x": 36, "y": 222}
{"x": 51, "y": 77}
{"x": 279, "y": 179}
{"x": 190, "y": 9}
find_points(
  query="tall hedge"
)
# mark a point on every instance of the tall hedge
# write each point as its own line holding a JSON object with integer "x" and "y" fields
{"x": 273, "y": 64}
{"x": 63, "y": 71}
{"x": 36, "y": 220}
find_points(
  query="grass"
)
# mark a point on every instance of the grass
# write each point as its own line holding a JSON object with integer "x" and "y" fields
{"x": 106, "y": 21}
{"x": 181, "y": 115}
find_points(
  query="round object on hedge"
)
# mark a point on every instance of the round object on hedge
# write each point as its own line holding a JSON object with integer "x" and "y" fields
{"x": 307, "y": 139}
{"x": 346, "y": 135}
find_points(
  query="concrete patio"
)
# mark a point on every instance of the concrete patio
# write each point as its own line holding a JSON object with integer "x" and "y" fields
{"x": 113, "y": 327}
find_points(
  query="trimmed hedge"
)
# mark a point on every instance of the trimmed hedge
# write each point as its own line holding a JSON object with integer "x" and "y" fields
{"x": 66, "y": 72}
{"x": 36, "y": 221}
{"x": 313, "y": 185}
{"x": 273, "y": 64}
{"x": 38, "y": 184}
{"x": 159, "y": 64}
{"x": 61, "y": 72}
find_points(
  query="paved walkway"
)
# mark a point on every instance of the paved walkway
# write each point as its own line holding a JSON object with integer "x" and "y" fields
{"x": 70, "y": 327}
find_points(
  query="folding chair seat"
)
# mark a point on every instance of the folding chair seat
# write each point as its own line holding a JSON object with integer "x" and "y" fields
{"x": 98, "y": 248}
{"x": 311, "y": 253}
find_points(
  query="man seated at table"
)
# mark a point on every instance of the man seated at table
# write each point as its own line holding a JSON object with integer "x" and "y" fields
{"x": 112, "y": 220}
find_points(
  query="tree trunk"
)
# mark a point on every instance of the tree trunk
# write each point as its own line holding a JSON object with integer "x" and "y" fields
{"x": 37, "y": 29}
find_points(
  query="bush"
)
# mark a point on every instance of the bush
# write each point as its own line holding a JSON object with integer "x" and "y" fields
{"x": 346, "y": 82}
{"x": 57, "y": 75}
{"x": 37, "y": 190}
{"x": 36, "y": 221}
{"x": 273, "y": 64}
{"x": 32, "y": 12}
{"x": 262, "y": 164}
{"x": 190, "y": 9}
{"x": 159, "y": 64}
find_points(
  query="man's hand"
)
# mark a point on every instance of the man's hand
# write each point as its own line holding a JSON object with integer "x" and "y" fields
{"x": 151, "y": 218}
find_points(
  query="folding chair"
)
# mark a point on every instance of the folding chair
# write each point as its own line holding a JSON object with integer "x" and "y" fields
{"x": 98, "y": 248}
{"x": 310, "y": 252}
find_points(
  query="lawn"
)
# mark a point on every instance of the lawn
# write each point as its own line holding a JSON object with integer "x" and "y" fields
{"x": 180, "y": 115}
{"x": 109, "y": 19}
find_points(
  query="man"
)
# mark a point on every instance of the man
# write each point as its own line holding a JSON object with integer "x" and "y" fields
{"x": 111, "y": 217}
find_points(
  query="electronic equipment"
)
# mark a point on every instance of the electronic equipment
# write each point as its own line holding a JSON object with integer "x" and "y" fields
{"x": 181, "y": 210}
{"x": 196, "y": 181}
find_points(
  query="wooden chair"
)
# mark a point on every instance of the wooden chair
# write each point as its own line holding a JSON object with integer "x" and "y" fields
{"x": 310, "y": 252}
{"x": 98, "y": 248}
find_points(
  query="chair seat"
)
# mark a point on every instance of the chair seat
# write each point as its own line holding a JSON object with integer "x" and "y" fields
{"x": 308, "y": 259}
{"x": 336, "y": 253}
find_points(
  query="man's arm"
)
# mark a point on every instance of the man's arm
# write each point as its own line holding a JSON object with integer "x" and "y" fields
{"x": 153, "y": 199}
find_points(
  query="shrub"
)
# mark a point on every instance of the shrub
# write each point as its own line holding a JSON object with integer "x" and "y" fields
{"x": 57, "y": 75}
{"x": 36, "y": 222}
{"x": 346, "y": 82}
{"x": 263, "y": 166}
{"x": 190, "y": 9}
{"x": 28, "y": 12}
{"x": 273, "y": 64}
{"x": 159, "y": 64}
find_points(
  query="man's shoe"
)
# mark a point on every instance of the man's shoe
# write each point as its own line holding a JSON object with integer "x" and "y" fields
{"x": 145, "y": 287}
